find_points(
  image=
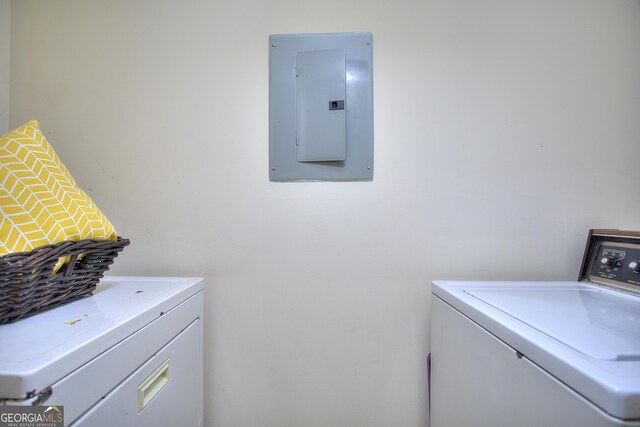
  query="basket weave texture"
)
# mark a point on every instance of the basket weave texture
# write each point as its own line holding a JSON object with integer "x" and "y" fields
{"x": 30, "y": 283}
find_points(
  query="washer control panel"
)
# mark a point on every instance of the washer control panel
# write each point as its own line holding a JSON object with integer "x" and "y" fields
{"x": 617, "y": 263}
{"x": 612, "y": 257}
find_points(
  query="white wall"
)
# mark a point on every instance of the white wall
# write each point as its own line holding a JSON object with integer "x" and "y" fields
{"x": 503, "y": 131}
{"x": 5, "y": 53}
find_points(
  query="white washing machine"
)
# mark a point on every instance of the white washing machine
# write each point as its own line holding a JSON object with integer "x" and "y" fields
{"x": 542, "y": 354}
{"x": 129, "y": 355}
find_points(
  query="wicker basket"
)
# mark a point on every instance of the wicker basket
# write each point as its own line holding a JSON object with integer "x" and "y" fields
{"x": 28, "y": 283}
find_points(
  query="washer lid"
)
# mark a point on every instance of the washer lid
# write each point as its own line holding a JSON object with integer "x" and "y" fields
{"x": 597, "y": 324}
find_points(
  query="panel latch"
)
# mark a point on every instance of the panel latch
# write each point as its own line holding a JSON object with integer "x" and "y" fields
{"x": 336, "y": 105}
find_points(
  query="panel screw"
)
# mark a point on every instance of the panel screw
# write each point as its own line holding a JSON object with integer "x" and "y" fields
{"x": 273, "y": 168}
{"x": 273, "y": 45}
{"x": 368, "y": 43}
{"x": 368, "y": 168}
{"x": 519, "y": 355}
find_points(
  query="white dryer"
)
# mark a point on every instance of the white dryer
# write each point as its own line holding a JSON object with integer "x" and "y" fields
{"x": 542, "y": 354}
{"x": 130, "y": 355}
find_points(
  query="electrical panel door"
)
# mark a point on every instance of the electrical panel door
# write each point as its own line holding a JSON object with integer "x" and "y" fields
{"x": 320, "y": 115}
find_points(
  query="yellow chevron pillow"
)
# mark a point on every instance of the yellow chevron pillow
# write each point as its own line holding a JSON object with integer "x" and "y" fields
{"x": 40, "y": 201}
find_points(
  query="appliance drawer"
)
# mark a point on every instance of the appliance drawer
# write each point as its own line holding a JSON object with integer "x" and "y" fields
{"x": 165, "y": 391}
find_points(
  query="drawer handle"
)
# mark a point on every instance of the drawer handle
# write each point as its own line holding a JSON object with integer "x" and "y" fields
{"x": 152, "y": 385}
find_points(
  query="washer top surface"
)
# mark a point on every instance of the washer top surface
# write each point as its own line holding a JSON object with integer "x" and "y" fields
{"x": 597, "y": 323}
{"x": 586, "y": 336}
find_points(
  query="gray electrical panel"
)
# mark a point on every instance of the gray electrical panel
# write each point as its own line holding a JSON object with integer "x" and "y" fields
{"x": 321, "y": 107}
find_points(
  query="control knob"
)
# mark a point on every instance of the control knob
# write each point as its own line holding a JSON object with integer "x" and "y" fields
{"x": 635, "y": 266}
{"x": 609, "y": 261}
